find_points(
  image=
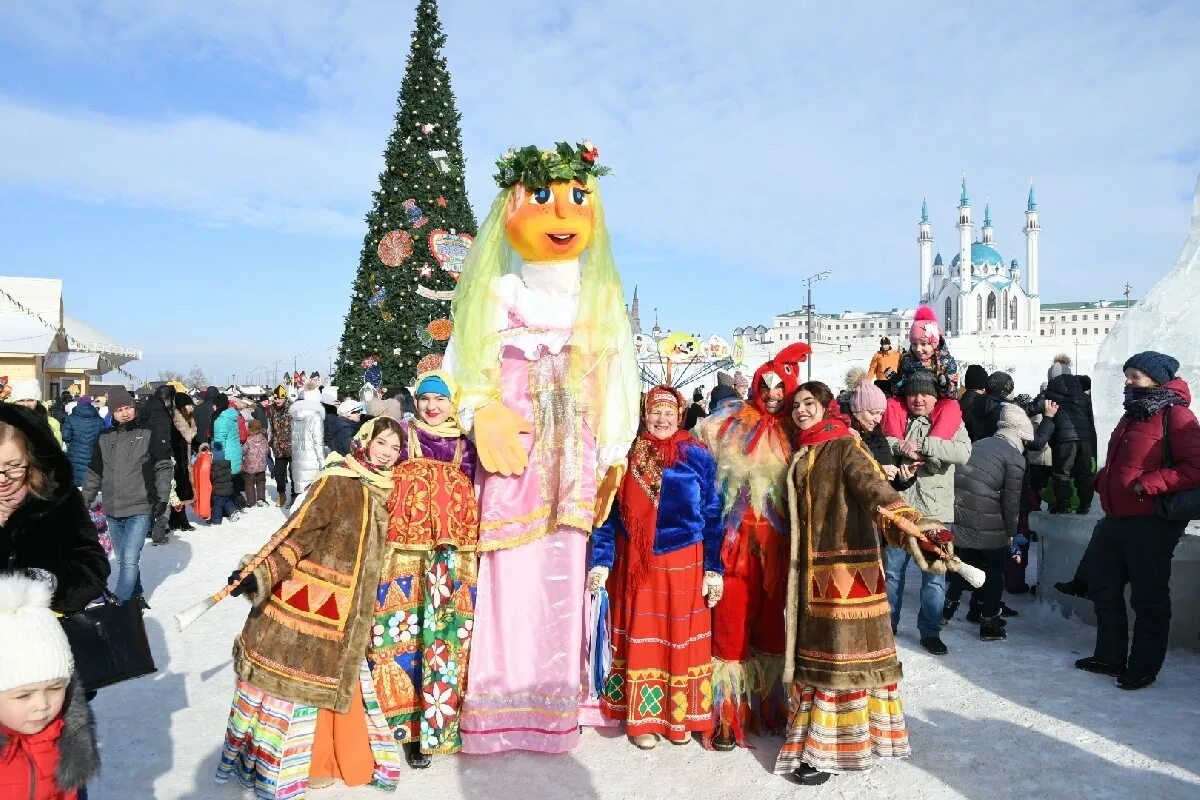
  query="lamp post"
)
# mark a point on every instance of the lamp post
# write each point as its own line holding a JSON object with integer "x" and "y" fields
{"x": 808, "y": 282}
{"x": 1077, "y": 367}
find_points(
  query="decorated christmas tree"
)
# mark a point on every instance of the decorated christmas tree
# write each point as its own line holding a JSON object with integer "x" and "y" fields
{"x": 418, "y": 230}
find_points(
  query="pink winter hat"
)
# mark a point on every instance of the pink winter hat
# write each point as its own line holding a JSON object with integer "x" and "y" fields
{"x": 867, "y": 397}
{"x": 925, "y": 327}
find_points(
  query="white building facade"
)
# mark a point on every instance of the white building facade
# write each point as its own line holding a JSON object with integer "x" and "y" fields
{"x": 991, "y": 311}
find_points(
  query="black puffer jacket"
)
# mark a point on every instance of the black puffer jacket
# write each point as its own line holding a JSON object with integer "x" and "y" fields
{"x": 987, "y": 494}
{"x": 982, "y": 416}
{"x": 221, "y": 478}
{"x": 55, "y": 534}
{"x": 1074, "y": 421}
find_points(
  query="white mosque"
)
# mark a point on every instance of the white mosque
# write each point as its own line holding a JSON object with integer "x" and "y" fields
{"x": 980, "y": 293}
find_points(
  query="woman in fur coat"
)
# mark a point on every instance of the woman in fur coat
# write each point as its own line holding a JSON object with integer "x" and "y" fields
{"x": 841, "y": 657}
{"x": 305, "y": 711}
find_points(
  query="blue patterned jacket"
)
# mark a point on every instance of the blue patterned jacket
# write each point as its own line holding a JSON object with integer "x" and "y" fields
{"x": 689, "y": 511}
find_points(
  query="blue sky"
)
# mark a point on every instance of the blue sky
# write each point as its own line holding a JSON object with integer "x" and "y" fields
{"x": 197, "y": 173}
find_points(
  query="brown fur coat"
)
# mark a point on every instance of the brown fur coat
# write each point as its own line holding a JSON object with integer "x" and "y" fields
{"x": 307, "y": 634}
{"x": 838, "y": 621}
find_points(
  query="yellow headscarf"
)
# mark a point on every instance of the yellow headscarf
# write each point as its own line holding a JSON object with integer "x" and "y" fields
{"x": 448, "y": 428}
{"x": 348, "y": 466}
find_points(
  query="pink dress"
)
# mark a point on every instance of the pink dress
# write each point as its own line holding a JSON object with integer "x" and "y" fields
{"x": 526, "y": 678}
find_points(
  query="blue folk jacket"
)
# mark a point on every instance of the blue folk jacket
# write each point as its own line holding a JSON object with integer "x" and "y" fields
{"x": 689, "y": 511}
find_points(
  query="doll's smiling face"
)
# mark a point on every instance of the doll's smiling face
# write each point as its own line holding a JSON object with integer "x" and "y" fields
{"x": 553, "y": 223}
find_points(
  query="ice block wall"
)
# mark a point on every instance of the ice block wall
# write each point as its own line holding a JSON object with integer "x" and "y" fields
{"x": 1167, "y": 319}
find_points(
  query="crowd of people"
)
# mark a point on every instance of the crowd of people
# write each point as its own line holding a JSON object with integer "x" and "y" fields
{"x": 752, "y": 567}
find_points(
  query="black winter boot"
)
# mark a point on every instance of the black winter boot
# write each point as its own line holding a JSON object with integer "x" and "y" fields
{"x": 415, "y": 758}
{"x": 992, "y": 630}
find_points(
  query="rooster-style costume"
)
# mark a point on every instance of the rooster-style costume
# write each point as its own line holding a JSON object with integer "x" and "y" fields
{"x": 753, "y": 449}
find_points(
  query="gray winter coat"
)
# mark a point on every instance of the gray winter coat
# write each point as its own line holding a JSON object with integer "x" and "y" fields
{"x": 132, "y": 468}
{"x": 932, "y": 493}
{"x": 987, "y": 495}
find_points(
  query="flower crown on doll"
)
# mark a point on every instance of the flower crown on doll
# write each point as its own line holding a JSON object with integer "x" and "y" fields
{"x": 536, "y": 169}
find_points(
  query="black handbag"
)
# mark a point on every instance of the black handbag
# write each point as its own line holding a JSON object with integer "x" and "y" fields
{"x": 109, "y": 643}
{"x": 1181, "y": 506}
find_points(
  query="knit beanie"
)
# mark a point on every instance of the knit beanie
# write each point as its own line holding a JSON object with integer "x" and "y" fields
{"x": 867, "y": 397}
{"x": 84, "y": 400}
{"x": 1158, "y": 367}
{"x": 119, "y": 397}
{"x": 885, "y": 342}
{"x": 720, "y": 394}
{"x": 919, "y": 381}
{"x": 1000, "y": 384}
{"x": 26, "y": 390}
{"x": 976, "y": 378}
{"x": 35, "y": 647}
{"x": 1013, "y": 418}
{"x": 925, "y": 327}
{"x": 1061, "y": 366}
{"x": 862, "y": 394}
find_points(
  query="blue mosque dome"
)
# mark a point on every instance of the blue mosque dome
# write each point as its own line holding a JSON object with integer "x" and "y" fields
{"x": 982, "y": 254}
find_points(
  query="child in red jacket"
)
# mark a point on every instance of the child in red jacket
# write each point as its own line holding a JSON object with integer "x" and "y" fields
{"x": 927, "y": 352}
{"x": 47, "y": 735}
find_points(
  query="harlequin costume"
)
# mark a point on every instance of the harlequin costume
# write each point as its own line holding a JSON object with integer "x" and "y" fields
{"x": 947, "y": 413}
{"x": 543, "y": 355}
{"x": 663, "y": 535}
{"x": 305, "y": 706}
{"x": 842, "y": 669}
{"x": 426, "y": 595}
{"x": 752, "y": 450}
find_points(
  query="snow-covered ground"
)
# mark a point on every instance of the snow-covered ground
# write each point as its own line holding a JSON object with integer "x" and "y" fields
{"x": 990, "y": 720}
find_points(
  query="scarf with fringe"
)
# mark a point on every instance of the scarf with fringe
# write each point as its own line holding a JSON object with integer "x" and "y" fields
{"x": 640, "y": 493}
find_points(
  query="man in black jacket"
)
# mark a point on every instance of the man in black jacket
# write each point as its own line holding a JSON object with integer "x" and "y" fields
{"x": 156, "y": 414}
{"x": 203, "y": 414}
{"x": 1073, "y": 443}
{"x": 132, "y": 468}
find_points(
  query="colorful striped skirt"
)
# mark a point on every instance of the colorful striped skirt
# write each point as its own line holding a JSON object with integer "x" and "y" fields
{"x": 661, "y": 679}
{"x": 269, "y": 743}
{"x": 840, "y": 731}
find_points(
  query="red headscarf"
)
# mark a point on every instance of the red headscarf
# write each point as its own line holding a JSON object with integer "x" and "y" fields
{"x": 642, "y": 487}
{"x": 832, "y": 426}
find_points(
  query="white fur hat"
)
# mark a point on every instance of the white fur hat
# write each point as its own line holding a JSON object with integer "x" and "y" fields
{"x": 26, "y": 390}
{"x": 35, "y": 647}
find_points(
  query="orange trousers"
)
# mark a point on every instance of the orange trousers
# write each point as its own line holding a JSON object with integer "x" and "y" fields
{"x": 341, "y": 748}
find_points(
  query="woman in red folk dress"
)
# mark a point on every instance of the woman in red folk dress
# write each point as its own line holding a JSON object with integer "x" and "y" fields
{"x": 660, "y": 553}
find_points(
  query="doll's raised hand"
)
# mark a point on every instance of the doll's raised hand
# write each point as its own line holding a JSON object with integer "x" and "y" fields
{"x": 606, "y": 491}
{"x": 498, "y": 432}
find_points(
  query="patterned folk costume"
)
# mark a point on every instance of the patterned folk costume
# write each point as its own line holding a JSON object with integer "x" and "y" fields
{"x": 543, "y": 354}
{"x": 752, "y": 450}
{"x": 663, "y": 534}
{"x": 842, "y": 665}
{"x": 301, "y": 657}
{"x": 425, "y": 603}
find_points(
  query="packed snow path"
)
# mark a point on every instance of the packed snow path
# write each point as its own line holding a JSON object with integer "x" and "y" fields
{"x": 1008, "y": 719}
